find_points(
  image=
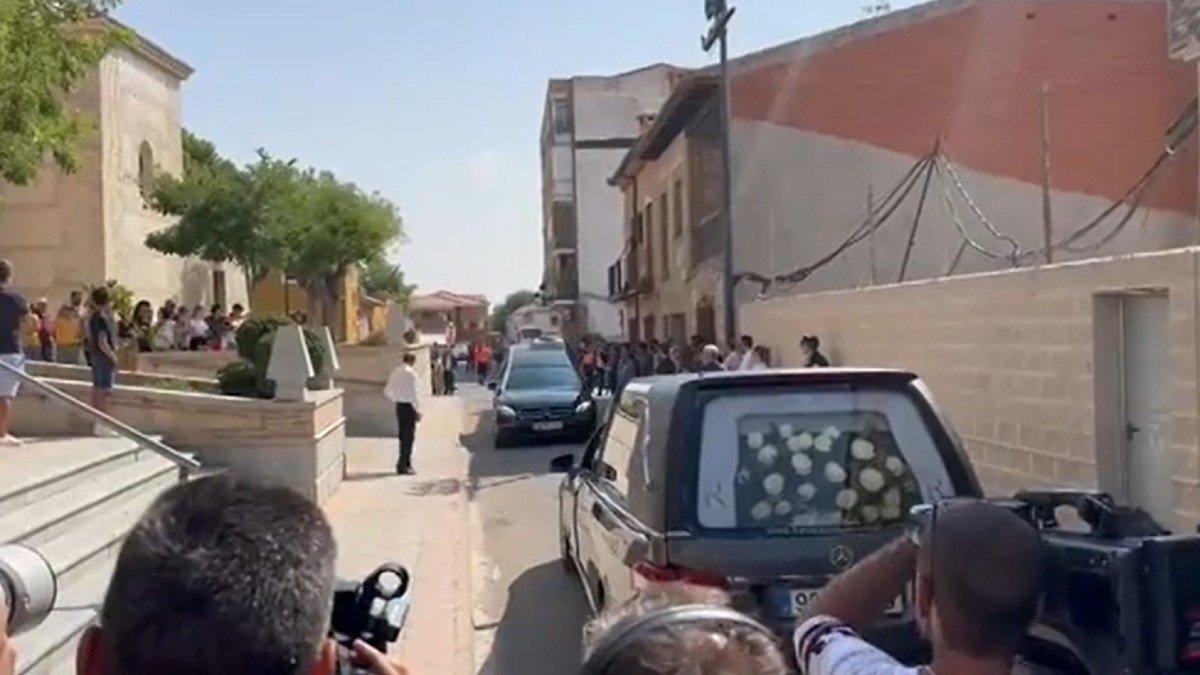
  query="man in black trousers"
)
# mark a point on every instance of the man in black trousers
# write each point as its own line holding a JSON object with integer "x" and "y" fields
{"x": 401, "y": 390}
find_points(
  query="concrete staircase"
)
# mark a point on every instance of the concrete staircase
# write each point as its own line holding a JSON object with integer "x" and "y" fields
{"x": 74, "y": 499}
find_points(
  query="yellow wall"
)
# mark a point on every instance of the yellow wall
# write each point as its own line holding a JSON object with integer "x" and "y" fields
{"x": 268, "y": 298}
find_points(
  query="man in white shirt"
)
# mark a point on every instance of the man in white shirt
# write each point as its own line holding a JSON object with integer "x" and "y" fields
{"x": 978, "y": 579}
{"x": 401, "y": 390}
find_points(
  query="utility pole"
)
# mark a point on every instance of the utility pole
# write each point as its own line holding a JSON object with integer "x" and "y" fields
{"x": 871, "y": 232}
{"x": 718, "y": 12}
{"x": 1047, "y": 214}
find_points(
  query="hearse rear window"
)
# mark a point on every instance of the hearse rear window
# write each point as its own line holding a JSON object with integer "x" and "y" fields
{"x": 829, "y": 459}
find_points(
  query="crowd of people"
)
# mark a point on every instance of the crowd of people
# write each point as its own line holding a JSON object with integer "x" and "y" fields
{"x": 608, "y": 366}
{"x": 60, "y": 336}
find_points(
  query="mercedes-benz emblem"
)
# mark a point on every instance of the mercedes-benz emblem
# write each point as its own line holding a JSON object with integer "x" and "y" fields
{"x": 841, "y": 557}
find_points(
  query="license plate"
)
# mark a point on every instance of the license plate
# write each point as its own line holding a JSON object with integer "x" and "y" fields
{"x": 547, "y": 426}
{"x": 801, "y": 601}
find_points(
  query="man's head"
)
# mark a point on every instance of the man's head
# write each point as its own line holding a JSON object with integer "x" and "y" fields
{"x": 809, "y": 344}
{"x": 979, "y": 580}
{"x": 715, "y": 647}
{"x": 745, "y": 344}
{"x": 219, "y": 577}
{"x": 76, "y": 298}
{"x": 711, "y": 354}
{"x": 100, "y": 296}
{"x": 6, "y": 272}
{"x": 409, "y": 358}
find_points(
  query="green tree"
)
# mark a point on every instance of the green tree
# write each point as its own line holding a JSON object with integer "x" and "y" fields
{"x": 512, "y": 303}
{"x": 332, "y": 226}
{"x": 381, "y": 278}
{"x": 46, "y": 48}
{"x": 226, "y": 213}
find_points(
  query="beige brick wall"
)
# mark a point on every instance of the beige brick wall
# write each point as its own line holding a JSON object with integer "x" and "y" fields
{"x": 1009, "y": 356}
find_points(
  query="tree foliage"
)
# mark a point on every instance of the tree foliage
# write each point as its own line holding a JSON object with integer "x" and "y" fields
{"x": 382, "y": 278}
{"x": 512, "y": 302}
{"x": 271, "y": 215}
{"x": 47, "y": 47}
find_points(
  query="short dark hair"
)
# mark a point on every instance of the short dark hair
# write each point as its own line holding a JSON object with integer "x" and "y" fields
{"x": 985, "y": 565}
{"x": 409, "y": 358}
{"x": 747, "y": 341}
{"x": 810, "y": 341}
{"x": 100, "y": 296}
{"x": 6, "y": 270}
{"x": 221, "y": 576}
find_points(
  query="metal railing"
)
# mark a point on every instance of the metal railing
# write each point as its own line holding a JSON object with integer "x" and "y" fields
{"x": 186, "y": 464}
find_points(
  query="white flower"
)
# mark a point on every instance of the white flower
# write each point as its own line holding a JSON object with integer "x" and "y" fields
{"x": 892, "y": 498}
{"x": 862, "y": 449}
{"x": 832, "y": 432}
{"x": 783, "y": 508}
{"x": 870, "y": 514}
{"x": 823, "y": 443}
{"x": 806, "y": 491}
{"x": 834, "y": 473}
{"x": 773, "y": 484}
{"x": 767, "y": 455}
{"x": 761, "y": 511}
{"x": 743, "y": 476}
{"x": 895, "y": 465}
{"x": 871, "y": 479}
{"x": 846, "y": 499}
{"x": 785, "y": 430}
{"x": 754, "y": 439}
{"x": 890, "y": 512}
{"x": 802, "y": 464}
{"x": 805, "y": 440}
{"x": 793, "y": 443}
{"x": 808, "y": 519}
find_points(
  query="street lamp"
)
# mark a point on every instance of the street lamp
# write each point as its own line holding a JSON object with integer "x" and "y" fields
{"x": 718, "y": 12}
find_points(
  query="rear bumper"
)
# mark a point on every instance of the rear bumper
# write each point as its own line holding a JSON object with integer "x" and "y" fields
{"x": 572, "y": 427}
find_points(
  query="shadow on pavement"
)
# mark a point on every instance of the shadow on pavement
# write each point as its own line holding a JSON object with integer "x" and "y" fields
{"x": 542, "y": 626}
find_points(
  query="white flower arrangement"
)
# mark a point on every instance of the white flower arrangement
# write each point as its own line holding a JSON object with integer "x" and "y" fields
{"x": 890, "y": 512}
{"x": 773, "y": 484}
{"x": 862, "y": 449}
{"x": 823, "y": 443}
{"x": 761, "y": 511}
{"x": 767, "y": 455}
{"x": 802, "y": 463}
{"x": 785, "y": 430}
{"x": 872, "y": 480}
{"x": 870, "y": 514}
{"x": 755, "y": 440}
{"x": 800, "y": 442}
{"x": 846, "y": 499}
{"x": 895, "y": 465}
{"x": 832, "y": 432}
{"x": 782, "y": 508}
{"x": 806, "y": 491}
{"x": 892, "y": 498}
{"x": 834, "y": 473}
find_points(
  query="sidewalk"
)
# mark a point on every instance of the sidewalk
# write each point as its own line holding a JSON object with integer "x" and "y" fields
{"x": 421, "y": 522}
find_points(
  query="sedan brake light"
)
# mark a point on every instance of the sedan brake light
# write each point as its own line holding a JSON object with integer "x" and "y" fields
{"x": 649, "y": 573}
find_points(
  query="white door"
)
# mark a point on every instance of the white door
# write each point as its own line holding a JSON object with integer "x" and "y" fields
{"x": 1146, "y": 375}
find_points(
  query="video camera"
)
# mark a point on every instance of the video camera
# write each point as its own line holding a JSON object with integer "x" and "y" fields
{"x": 373, "y": 610}
{"x": 1122, "y": 597}
{"x": 28, "y": 587}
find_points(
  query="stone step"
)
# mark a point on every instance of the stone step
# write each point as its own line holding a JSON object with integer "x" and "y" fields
{"x": 46, "y": 466}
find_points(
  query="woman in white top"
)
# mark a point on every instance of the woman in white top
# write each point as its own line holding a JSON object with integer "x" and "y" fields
{"x": 197, "y": 330}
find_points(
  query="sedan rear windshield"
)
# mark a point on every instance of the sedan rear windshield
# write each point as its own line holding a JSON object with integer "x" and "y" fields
{"x": 542, "y": 377}
{"x": 825, "y": 460}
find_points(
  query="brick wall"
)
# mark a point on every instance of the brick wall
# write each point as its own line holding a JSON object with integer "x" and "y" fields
{"x": 1009, "y": 355}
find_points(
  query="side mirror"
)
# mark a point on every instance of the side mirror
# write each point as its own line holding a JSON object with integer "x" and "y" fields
{"x": 562, "y": 464}
{"x": 491, "y": 385}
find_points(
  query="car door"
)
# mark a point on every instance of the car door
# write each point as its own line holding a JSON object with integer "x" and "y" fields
{"x": 607, "y": 528}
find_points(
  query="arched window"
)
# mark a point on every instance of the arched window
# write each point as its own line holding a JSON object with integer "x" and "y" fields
{"x": 146, "y": 167}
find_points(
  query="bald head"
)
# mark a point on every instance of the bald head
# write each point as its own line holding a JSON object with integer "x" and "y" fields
{"x": 984, "y": 565}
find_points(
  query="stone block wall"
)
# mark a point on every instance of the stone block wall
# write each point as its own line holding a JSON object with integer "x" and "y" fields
{"x": 1009, "y": 355}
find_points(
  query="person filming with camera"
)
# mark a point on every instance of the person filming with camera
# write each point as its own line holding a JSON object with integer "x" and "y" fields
{"x": 220, "y": 577}
{"x": 977, "y": 573}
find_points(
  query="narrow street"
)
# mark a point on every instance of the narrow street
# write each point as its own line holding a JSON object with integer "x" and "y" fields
{"x": 528, "y": 611}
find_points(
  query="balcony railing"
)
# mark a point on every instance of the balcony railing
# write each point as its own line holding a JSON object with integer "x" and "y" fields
{"x": 708, "y": 239}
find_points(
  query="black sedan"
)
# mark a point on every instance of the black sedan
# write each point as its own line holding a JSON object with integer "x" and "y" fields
{"x": 540, "y": 395}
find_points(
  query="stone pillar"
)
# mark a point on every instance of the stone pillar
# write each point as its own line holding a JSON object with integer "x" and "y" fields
{"x": 397, "y": 325}
{"x": 330, "y": 365}
{"x": 290, "y": 366}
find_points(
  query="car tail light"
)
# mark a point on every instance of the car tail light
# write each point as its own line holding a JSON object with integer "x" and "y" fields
{"x": 648, "y": 573}
{"x": 1190, "y": 654}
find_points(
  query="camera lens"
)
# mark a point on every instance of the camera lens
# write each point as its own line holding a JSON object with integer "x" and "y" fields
{"x": 27, "y": 585}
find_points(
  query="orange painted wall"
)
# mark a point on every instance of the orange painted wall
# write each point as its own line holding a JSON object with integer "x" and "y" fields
{"x": 975, "y": 77}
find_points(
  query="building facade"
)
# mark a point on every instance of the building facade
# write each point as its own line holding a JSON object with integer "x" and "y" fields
{"x": 67, "y": 231}
{"x": 457, "y": 317}
{"x": 588, "y": 124}
{"x": 533, "y": 320}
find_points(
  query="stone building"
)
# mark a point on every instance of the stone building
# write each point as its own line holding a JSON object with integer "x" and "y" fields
{"x": 458, "y": 317}
{"x": 66, "y": 231}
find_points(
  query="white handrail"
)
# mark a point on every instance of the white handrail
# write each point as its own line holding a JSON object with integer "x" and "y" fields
{"x": 123, "y": 430}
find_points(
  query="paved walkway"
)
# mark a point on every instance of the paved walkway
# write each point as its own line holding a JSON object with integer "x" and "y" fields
{"x": 420, "y": 521}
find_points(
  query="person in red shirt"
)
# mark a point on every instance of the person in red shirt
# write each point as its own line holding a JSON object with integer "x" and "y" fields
{"x": 483, "y": 361}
